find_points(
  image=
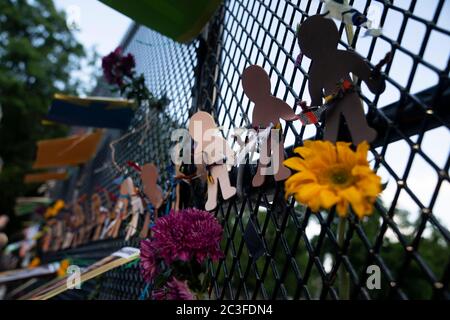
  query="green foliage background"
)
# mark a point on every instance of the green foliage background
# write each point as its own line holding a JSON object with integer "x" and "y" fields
{"x": 37, "y": 54}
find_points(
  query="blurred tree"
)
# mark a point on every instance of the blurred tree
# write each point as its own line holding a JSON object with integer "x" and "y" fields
{"x": 37, "y": 54}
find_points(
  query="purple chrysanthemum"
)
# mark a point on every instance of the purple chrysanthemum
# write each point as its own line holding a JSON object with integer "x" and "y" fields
{"x": 149, "y": 261}
{"x": 188, "y": 234}
{"x": 173, "y": 290}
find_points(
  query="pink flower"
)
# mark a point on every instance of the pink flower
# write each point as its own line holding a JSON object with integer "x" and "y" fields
{"x": 173, "y": 290}
{"x": 188, "y": 234}
{"x": 149, "y": 261}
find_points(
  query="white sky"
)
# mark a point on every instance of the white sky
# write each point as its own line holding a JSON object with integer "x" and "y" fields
{"x": 101, "y": 26}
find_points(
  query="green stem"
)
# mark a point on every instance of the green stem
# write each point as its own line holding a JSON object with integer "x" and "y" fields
{"x": 344, "y": 280}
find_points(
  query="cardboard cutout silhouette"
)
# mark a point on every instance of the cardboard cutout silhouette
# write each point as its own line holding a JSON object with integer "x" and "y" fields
{"x": 99, "y": 215}
{"x": 121, "y": 207}
{"x": 106, "y": 211}
{"x": 214, "y": 151}
{"x": 268, "y": 111}
{"x": 69, "y": 230}
{"x": 318, "y": 39}
{"x": 137, "y": 208}
{"x": 79, "y": 224}
{"x": 153, "y": 192}
{"x": 58, "y": 235}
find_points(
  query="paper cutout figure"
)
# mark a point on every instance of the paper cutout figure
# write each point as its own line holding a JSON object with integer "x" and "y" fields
{"x": 153, "y": 192}
{"x": 105, "y": 211}
{"x": 99, "y": 215}
{"x": 215, "y": 153}
{"x": 137, "y": 209}
{"x": 58, "y": 234}
{"x": 47, "y": 238}
{"x": 330, "y": 71}
{"x": 339, "y": 10}
{"x": 69, "y": 231}
{"x": 80, "y": 218}
{"x": 267, "y": 111}
{"x": 126, "y": 197}
{"x": 97, "y": 112}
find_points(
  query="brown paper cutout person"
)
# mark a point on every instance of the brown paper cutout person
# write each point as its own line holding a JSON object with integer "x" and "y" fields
{"x": 121, "y": 207}
{"x": 213, "y": 151}
{"x": 153, "y": 192}
{"x": 58, "y": 234}
{"x": 137, "y": 209}
{"x": 100, "y": 215}
{"x": 318, "y": 38}
{"x": 79, "y": 224}
{"x": 69, "y": 229}
{"x": 268, "y": 110}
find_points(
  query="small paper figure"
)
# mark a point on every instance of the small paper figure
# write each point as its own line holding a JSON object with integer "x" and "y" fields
{"x": 99, "y": 215}
{"x": 137, "y": 209}
{"x": 79, "y": 224}
{"x": 69, "y": 231}
{"x": 153, "y": 192}
{"x": 121, "y": 207}
{"x": 330, "y": 72}
{"x": 267, "y": 112}
{"x": 214, "y": 151}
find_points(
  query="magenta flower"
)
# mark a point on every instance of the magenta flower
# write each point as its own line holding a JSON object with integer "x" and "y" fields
{"x": 188, "y": 234}
{"x": 173, "y": 290}
{"x": 116, "y": 66}
{"x": 149, "y": 262}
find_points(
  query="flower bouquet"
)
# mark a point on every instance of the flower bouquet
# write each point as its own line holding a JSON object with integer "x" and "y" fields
{"x": 119, "y": 71}
{"x": 174, "y": 260}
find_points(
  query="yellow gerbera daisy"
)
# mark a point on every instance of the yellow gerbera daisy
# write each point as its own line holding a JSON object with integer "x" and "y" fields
{"x": 333, "y": 175}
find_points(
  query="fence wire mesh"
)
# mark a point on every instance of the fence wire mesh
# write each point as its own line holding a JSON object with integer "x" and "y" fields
{"x": 278, "y": 249}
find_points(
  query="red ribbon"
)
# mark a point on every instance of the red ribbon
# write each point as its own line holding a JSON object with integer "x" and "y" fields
{"x": 134, "y": 165}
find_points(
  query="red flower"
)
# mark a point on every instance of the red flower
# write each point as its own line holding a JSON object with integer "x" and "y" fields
{"x": 173, "y": 290}
{"x": 116, "y": 66}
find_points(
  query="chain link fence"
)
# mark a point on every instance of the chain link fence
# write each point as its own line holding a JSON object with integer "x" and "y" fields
{"x": 281, "y": 250}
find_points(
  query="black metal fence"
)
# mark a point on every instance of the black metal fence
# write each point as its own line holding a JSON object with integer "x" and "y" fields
{"x": 277, "y": 249}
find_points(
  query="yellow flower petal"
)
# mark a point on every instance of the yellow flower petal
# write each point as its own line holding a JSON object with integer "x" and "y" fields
{"x": 294, "y": 163}
{"x": 356, "y": 200}
{"x": 345, "y": 154}
{"x": 304, "y": 152}
{"x": 328, "y": 198}
{"x": 333, "y": 175}
{"x": 342, "y": 208}
{"x": 361, "y": 152}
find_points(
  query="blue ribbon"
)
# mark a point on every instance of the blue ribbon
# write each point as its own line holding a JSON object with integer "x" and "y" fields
{"x": 145, "y": 292}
